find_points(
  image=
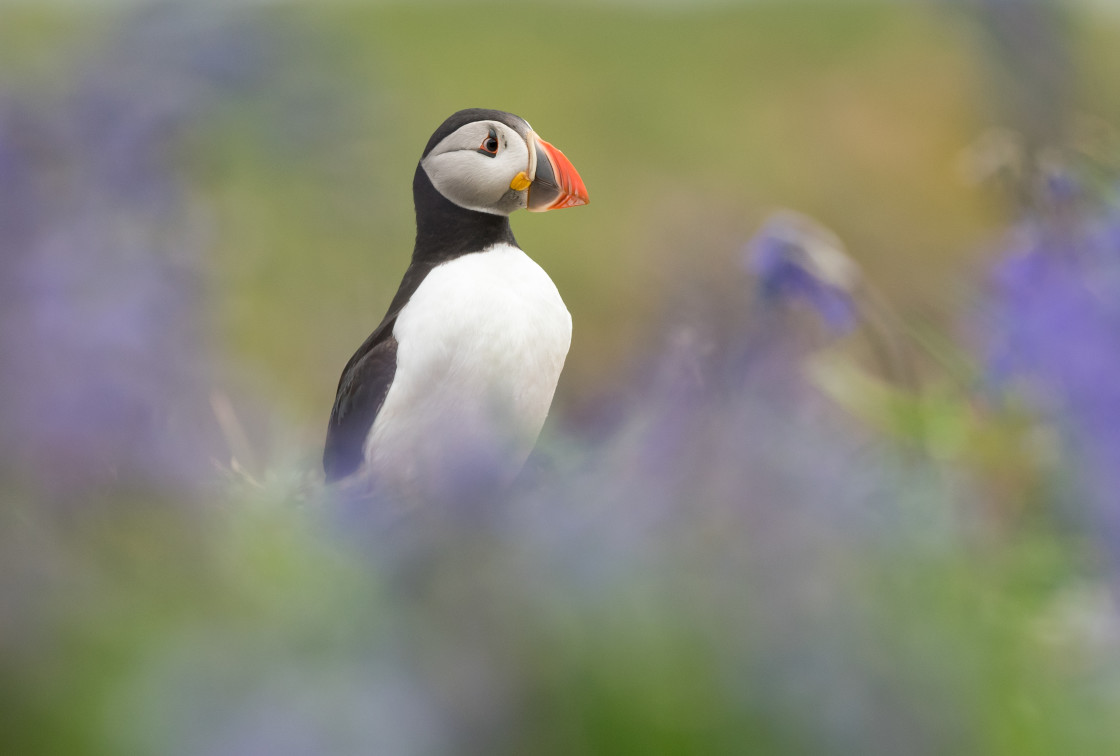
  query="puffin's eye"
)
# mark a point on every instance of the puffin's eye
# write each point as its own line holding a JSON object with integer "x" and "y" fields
{"x": 489, "y": 146}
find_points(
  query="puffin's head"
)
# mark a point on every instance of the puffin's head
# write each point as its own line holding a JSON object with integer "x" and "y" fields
{"x": 493, "y": 162}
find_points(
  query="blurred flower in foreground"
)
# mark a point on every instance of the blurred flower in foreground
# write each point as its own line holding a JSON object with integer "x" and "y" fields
{"x": 104, "y": 369}
{"x": 726, "y": 515}
{"x": 799, "y": 261}
{"x": 1054, "y": 331}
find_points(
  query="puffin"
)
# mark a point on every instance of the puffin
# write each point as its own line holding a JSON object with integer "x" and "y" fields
{"x": 465, "y": 362}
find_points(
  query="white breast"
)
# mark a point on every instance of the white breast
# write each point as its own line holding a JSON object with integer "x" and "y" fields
{"x": 480, "y": 347}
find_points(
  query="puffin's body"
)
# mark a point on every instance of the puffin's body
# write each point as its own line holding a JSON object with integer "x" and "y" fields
{"x": 466, "y": 360}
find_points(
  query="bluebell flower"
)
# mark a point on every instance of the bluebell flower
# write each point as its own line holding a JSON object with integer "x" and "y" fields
{"x": 105, "y": 374}
{"x": 1054, "y": 334}
{"x": 797, "y": 261}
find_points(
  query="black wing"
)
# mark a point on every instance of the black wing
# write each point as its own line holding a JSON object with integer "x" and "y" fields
{"x": 365, "y": 382}
{"x": 361, "y": 392}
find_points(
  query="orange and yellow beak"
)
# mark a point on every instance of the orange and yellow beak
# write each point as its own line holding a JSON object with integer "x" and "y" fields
{"x": 555, "y": 182}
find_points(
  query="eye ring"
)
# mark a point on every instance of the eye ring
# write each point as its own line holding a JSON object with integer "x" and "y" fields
{"x": 489, "y": 146}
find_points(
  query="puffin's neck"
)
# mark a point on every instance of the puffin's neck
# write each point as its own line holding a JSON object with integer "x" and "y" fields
{"x": 445, "y": 231}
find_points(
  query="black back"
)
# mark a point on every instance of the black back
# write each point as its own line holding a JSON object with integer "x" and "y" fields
{"x": 444, "y": 231}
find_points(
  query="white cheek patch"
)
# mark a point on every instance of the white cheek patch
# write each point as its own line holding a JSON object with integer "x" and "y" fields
{"x": 473, "y": 180}
{"x": 461, "y": 176}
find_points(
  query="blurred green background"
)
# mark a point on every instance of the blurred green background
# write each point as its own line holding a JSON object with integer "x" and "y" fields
{"x": 689, "y": 122}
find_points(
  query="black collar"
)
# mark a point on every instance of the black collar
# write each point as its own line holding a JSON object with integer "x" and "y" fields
{"x": 445, "y": 231}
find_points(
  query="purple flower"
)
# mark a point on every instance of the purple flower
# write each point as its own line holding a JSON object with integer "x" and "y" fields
{"x": 1054, "y": 332}
{"x": 102, "y": 249}
{"x": 798, "y": 261}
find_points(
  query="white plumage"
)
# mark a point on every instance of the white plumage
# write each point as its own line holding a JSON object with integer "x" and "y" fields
{"x": 482, "y": 344}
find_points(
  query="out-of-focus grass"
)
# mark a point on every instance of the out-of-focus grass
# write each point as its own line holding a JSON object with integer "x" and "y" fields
{"x": 30, "y": 34}
{"x": 687, "y": 127}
